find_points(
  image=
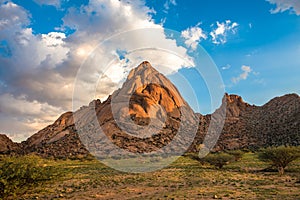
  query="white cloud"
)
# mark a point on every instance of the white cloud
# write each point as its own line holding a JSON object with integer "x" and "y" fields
{"x": 20, "y": 117}
{"x": 193, "y": 36}
{"x": 12, "y": 16}
{"x": 244, "y": 75}
{"x": 220, "y": 33}
{"x": 100, "y": 20}
{"x": 56, "y": 3}
{"x": 226, "y": 67}
{"x": 285, "y": 5}
{"x": 54, "y": 39}
{"x": 39, "y": 74}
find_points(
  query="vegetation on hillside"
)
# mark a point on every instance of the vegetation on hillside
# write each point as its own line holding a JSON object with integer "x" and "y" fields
{"x": 31, "y": 177}
{"x": 218, "y": 159}
{"x": 17, "y": 174}
{"x": 280, "y": 157}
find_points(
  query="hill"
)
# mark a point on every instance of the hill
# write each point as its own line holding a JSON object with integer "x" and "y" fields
{"x": 147, "y": 113}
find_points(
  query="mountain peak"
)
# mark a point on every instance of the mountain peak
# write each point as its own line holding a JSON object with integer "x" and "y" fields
{"x": 146, "y": 112}
{"x": 234, "y": 104}
{"x": 145, "y": 65}
{"x": 233, "y": 98}
{"x": 147, "y": 88}
{"x": 144, "y": 69}
{"x": 145, "y": 75}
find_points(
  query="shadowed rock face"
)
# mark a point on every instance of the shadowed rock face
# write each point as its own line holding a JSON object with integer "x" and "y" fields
{"x": 278, "y": 121}
{"x": 58, "y": 140}
{"x": 248, "y": 126}
{"x": 147, "y": 112}
{"x": 7, "y": 146}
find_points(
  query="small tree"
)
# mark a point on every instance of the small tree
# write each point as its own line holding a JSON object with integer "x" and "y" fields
{"x": 218, "y": 159}
{"x": 279, "y": 157}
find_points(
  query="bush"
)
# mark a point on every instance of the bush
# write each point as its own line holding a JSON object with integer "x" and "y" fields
{"x": 238, "y": 154}
{"x": 1, "y": 189}
{"x": 19, "y": 173}
{"x": 279, "y": 157}
{"x": 218, "y": 159}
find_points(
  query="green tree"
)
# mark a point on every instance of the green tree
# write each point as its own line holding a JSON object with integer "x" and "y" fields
{"x": 279, "y": 157}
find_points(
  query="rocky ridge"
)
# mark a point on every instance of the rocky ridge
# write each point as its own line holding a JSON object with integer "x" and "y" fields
{"x": 7, "y": 146}
{"x": 155, "y": 114}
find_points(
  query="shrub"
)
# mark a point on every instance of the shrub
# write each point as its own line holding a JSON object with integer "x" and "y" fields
{"x": 218, "y": 159}
{"x": 238, "y": 154}
{"x": 19, "y": 173}
{"x": 279, "y": 157}
{"x": 1, "y": 189}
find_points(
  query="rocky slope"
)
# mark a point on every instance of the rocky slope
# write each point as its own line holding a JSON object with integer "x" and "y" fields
{"x": 58, "y": 140}
{"x": 147, "y": 112}
{"x": 248, "y": 126}
{"x": 7, "y": 146}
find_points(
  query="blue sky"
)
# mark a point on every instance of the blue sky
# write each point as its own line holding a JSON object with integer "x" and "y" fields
{"x": 254, "y": 44}
{"x": 268, "y": 43}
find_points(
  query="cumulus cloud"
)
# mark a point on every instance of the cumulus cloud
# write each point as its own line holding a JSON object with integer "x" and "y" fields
{"x": 244, "y": 75}
{"x": 220, "y": 33}
{"x": 25, "y": 117}
{"x": 30, "y": 66}
{"x": 38, "y": 70}
{"x": 285, "y": 5}
{"x": 54, "y": 39}
{"x": 12, "y": 16}
{"x": 193, "y": 36}
{"x": 100, "y": 20}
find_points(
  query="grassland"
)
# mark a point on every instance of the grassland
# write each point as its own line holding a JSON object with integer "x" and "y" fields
{"x": 184, "y": 179}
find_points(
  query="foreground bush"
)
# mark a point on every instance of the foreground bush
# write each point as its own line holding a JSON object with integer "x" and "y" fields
{"x": 218, "y": 159}
{"x": 238, "y": 154}
{"x": 279, "y": 157}
{"x": 19, "y": 173}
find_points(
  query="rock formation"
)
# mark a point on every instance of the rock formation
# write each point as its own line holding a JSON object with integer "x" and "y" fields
{"x": 59, "y": 140}
{"x": 146, "y": 114}
{"x": 143, "y": 116}
{"x": 7, "y": 146}
{"x": 248, "y": 126}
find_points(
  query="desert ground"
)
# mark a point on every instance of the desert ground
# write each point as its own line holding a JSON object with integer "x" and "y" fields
{"x": 186, "y": 178}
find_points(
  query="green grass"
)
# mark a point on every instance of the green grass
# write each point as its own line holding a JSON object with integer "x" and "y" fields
{"x": 184, "y": 179}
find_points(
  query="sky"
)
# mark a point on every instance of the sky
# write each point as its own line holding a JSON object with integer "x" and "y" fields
{"x": 254, "y": 45}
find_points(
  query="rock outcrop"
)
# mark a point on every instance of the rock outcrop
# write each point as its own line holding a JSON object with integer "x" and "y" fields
{"x": 7, "y": 146}
{"x": 248, "y": 126}
{"x": 59, "y": 140}
{"x": 146, "y": 114}
{"x": 143, "y": 116}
